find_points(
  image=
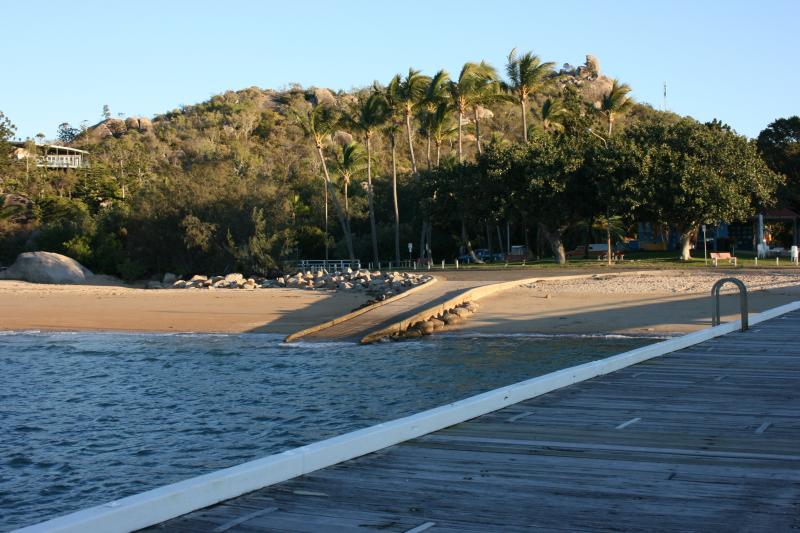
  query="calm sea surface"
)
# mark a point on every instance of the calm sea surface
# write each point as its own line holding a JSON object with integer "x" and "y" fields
{"x": 86, "y": 418}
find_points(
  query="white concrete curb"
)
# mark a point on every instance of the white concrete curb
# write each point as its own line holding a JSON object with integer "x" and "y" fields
{"x": 170, "y": 501}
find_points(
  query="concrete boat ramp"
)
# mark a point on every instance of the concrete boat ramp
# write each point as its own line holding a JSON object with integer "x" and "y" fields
{"x": 696, "y": 433}
{"x": 370, "y": 324}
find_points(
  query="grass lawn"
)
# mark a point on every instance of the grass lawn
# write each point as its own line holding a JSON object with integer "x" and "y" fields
{"x": 638, "y": 260}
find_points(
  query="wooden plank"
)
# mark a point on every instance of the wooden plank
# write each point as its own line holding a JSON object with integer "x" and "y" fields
{"x": 716, "y": 451}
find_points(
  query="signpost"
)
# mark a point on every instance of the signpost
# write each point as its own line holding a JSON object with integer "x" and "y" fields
{"x": 410, "y": 248}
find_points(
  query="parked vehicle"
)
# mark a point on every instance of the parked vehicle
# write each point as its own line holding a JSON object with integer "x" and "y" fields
{"x": 518, "y": 253}
{"x": 483, "y": 254}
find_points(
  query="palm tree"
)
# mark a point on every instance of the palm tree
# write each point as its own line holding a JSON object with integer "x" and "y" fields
{"x": 442, "y": 129}
{"x": 468, "y": 92}
{"x": 318, "y": 123}
{"x": 410, "y": 91}
{"x": 437, "y": 127}
{"x": 297, "y": 208}
{"x": 486, "y": 90}
{"x": 350, "y": 162}
{"x": 611, "y": 226}
{"x": 395, "y": 110}
{"x": 370, "y": 114}
{"x": 526, "y": 75}
{"x": 435, "y": 94}
{"x": 615, "y": 102}
{"x": 552, "y": 112}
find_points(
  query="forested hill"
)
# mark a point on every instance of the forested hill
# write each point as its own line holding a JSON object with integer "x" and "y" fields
{"x": 238, "y": 183}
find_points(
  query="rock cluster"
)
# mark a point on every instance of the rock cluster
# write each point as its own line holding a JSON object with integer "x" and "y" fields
{"x": 46, "y": 267}
{"x": 115, "y": 127}
{"x": 380, "y": 284}
{"x": 440, "y": 321}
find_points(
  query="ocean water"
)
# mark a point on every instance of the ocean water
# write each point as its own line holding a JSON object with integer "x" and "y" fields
{"x": 86, "y": 418}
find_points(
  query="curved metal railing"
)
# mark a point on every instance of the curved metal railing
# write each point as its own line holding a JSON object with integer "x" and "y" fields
{"x": 715, "y": 290}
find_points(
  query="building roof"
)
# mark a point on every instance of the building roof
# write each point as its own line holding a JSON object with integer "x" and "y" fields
{"x": 52, "y": 146}
{"x": 780, "y": 212}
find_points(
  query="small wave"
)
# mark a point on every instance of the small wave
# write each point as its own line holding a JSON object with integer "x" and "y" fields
{"x": 21, "y": 332}
{"x": 314, "y": 345}
{"x": 559, "y": 335}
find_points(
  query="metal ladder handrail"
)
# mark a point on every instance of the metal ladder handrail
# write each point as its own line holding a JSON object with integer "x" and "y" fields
{"x": 715, "y": 291}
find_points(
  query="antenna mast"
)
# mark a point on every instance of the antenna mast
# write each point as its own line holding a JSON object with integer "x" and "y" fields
{"x": 665, "y": 96}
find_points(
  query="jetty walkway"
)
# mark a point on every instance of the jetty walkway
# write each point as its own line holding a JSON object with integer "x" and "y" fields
{"x": 701, "y": 439}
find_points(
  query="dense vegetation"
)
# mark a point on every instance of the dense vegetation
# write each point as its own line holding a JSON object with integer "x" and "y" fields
{"x": 252, "y": 178}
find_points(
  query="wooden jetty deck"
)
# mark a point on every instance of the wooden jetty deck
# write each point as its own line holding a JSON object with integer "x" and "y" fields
{"x": 703, "y": 439}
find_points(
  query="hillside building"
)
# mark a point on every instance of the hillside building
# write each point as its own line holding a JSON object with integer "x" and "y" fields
{"x": 53, "y": 156}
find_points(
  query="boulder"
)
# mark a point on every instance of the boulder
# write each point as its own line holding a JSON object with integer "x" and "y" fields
{"x": 592, "y": 65}
{"x": 234, "y": 277}
{"x": 169, "y": 278}
{"x": 322, "y": 96}
{"x": 342, "y": 138}
{"x": 180, "y": 284}
{"x": 198, "y": 277}
{"x": 461, "y": 312}
{"x": 154, "y": 285}
{"x": 46, "y": 267}
{"x": 437, "y": 324}
{"x": 452, "y": 319}
{"x": 426, "y": 327}
{"x": 132, "y": 123}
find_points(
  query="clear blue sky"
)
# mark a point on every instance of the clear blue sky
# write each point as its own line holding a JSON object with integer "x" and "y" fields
{"x": 727, "y": 59}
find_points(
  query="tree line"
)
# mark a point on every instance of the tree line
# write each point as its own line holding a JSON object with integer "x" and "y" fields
{"x": 246, "y": 180}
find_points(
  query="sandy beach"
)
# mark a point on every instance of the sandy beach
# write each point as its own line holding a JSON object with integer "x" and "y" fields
{"x": 29, "y": 306}
{"x": 661, "y": 302}
{"x": 646, "y": 303}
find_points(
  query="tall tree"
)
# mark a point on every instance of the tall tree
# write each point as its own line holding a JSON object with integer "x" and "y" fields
{"x": 369, "y": 115}
{"x": 7, "y": 130}
{"x": 441, "y": 128}
{"x": 318, "y": 123}
{"x": 410, "y": 92}
{"x": 779, "y": 144}
{"x": 350, "y": 162}
{"x": 396, "y": 108}
{"x": 435, "y": 95}
{"x": 615, "y": 102}
{"x": 700, "y": 174}
{"x": 526, "y": 75}
{"x": 486, "y": 91}
{"x": 468, "y": 91}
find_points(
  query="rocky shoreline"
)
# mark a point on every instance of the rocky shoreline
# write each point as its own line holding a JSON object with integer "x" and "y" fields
{"x": 382, "y": 284}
